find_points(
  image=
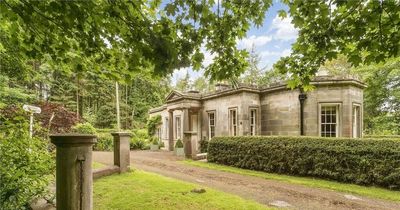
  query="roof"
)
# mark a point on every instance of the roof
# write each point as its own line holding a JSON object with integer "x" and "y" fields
{"x": 175, "y": 95}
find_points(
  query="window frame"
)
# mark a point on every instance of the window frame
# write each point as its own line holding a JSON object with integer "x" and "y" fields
{"x": 338, "y": 123}
{"x": 209, "y": 124}
{"x": 233, "y": 128}
{"x": 359, "y": 117}
{"x": 178, "y": 132}
{"x": 255, "y": 126}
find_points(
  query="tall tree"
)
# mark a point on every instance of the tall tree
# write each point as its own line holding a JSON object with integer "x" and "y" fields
{"x": 364, "y": 31}
{"x": 183, "y": 84}
{"x": 121, "y": 37}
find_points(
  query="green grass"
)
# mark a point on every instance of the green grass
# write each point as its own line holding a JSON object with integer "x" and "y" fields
{"x": 143, "y": 190}
{"x": 373, "y": 192}
{"x": 97, "y": 165}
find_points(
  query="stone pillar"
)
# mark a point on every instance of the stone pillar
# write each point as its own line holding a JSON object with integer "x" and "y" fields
{"x": 122, "y": 150}
{"x": 74, "y": 179}
{"x": 171, "y": 130}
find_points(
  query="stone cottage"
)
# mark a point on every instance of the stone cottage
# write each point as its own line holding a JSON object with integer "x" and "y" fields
{"x": 332, "y": 109}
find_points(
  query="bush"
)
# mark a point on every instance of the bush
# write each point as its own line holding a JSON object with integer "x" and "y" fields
{"x": 84, "y": 128}
{"x": 179, "y": 144}
{"x": 56, "y": 118}
{"x": 140, "y": 140}
{"x": 395, "y": 137}
{"x": 203, "y": 145}
{"x": 105, "y": 142}
{"x": 366, "y": 162}
{"x": 152, "y": 124}
{"x": 26, "y": 166}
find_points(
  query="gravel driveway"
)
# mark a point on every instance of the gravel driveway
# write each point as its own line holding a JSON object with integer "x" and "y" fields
{"x": 267, "y": 192}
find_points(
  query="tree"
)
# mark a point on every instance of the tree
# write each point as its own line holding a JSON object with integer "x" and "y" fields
{"x": 364, "y": 31}
{"x": 184, "y": 83}
{"x": 120, "y": 37}
{"x": 201, "y": 84}
{"x": 253, "y": 72}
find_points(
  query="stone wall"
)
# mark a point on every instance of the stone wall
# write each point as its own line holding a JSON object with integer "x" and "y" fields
{"x": 243, "y": 101}
{"x": 280, "y": 113}
{"x": 280, "y": 110}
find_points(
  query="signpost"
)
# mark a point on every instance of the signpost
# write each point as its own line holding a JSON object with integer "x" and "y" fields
{"x": 32, "y": 110}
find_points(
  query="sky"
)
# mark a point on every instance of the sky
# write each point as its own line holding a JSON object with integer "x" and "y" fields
{"x": 271, "y": 41}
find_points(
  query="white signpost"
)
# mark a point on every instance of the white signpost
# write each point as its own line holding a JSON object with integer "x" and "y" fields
{"x": 32, "y": 110}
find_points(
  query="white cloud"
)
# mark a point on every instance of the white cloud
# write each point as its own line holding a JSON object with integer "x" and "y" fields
{"x": 257, "y": 41}
{"x": 283, "y": 29}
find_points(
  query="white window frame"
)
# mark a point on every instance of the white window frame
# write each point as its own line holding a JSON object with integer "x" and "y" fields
{"x": 337, "y": 121}
{"x": 211, "y": 128}
{"x": 178, "y": 127}
{"x": 253, "y": 121}
{"x": 233, "y": 122}
{"x": 356, "y": 121}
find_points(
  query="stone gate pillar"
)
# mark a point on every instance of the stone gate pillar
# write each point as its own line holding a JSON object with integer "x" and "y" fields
{"x": 122, "y": 150}
{"x": 74, "y": 179}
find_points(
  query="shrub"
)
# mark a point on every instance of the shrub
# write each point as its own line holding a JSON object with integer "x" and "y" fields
{"x": 152, "y": 124}
{"x": 396, "y": 137}
{"x": 84, "y": 128}
{"x": 161, "y": 144}
{"x": 105, "y": 142}
{"x": 203, "y": 145}
{"x": 26, "y": 166}
{"x": 154, "y": 140}
{"x": 179, "y": 144}
{"x": 140, "y": 140}
{"x": 366, "y": 162}
{"x": 56, "y": 118}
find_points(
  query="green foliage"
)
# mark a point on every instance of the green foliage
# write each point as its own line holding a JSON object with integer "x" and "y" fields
{"x": 106, "y": 116}
{"x": 365, "y": 162}
{"x": 84, "y": 128}
{"x": 105, "y": 142}
{"x": 115, "y": 39}
{"x": 140, "y": 140}
{"x": 203, "y": 145}
{"x": 12, "y": 95}
{"x": 394, "y": 137}
{"x": 154, "y": 140}
{"x": 183, "y": 84}
{"x": 152, "y": 124}
{"x": 179, "y": 144}
{"x": 26, "y": 166}
{"x": 365, "y": 32}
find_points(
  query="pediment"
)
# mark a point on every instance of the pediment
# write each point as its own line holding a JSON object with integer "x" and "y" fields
{"x": 174, "y": 95}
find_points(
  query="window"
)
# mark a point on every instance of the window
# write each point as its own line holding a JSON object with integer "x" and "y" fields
{"x": 159, "y": 132}
{"x": 211, "y": 124}
{"x": 233, "y": 122}
{"x": 356, "y": 121}
{"x": 253, "y": 125}
{"x": 329, "y": 118}
{"x": 178, "y": 125}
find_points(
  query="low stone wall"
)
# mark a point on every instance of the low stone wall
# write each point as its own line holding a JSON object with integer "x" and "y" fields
{"x": 106, "y": 171}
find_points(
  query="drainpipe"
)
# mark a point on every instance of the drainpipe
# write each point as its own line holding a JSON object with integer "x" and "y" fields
{"x": 302, "y": 99}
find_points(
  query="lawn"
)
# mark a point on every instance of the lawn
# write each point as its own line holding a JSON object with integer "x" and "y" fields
{"x": 97, "y": 165}
{"x": 144, "y": 190}
{"x": 373, "y": 192}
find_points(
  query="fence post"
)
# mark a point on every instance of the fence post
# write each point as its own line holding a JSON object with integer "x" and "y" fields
{"x": 74, "y": 179}
{"x": 121, "y": 150}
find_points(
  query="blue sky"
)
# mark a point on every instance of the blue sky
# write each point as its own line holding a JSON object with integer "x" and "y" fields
{"x": 272, "y": 41}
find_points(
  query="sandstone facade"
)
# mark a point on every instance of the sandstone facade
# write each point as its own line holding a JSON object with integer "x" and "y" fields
{"x": 333, "y": 108}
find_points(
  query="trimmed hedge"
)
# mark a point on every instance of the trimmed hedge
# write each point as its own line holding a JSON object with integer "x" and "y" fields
{"x": 365, "y": 162}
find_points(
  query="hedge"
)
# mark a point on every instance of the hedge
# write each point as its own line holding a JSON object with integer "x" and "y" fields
{"x": 365, "y": 162}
